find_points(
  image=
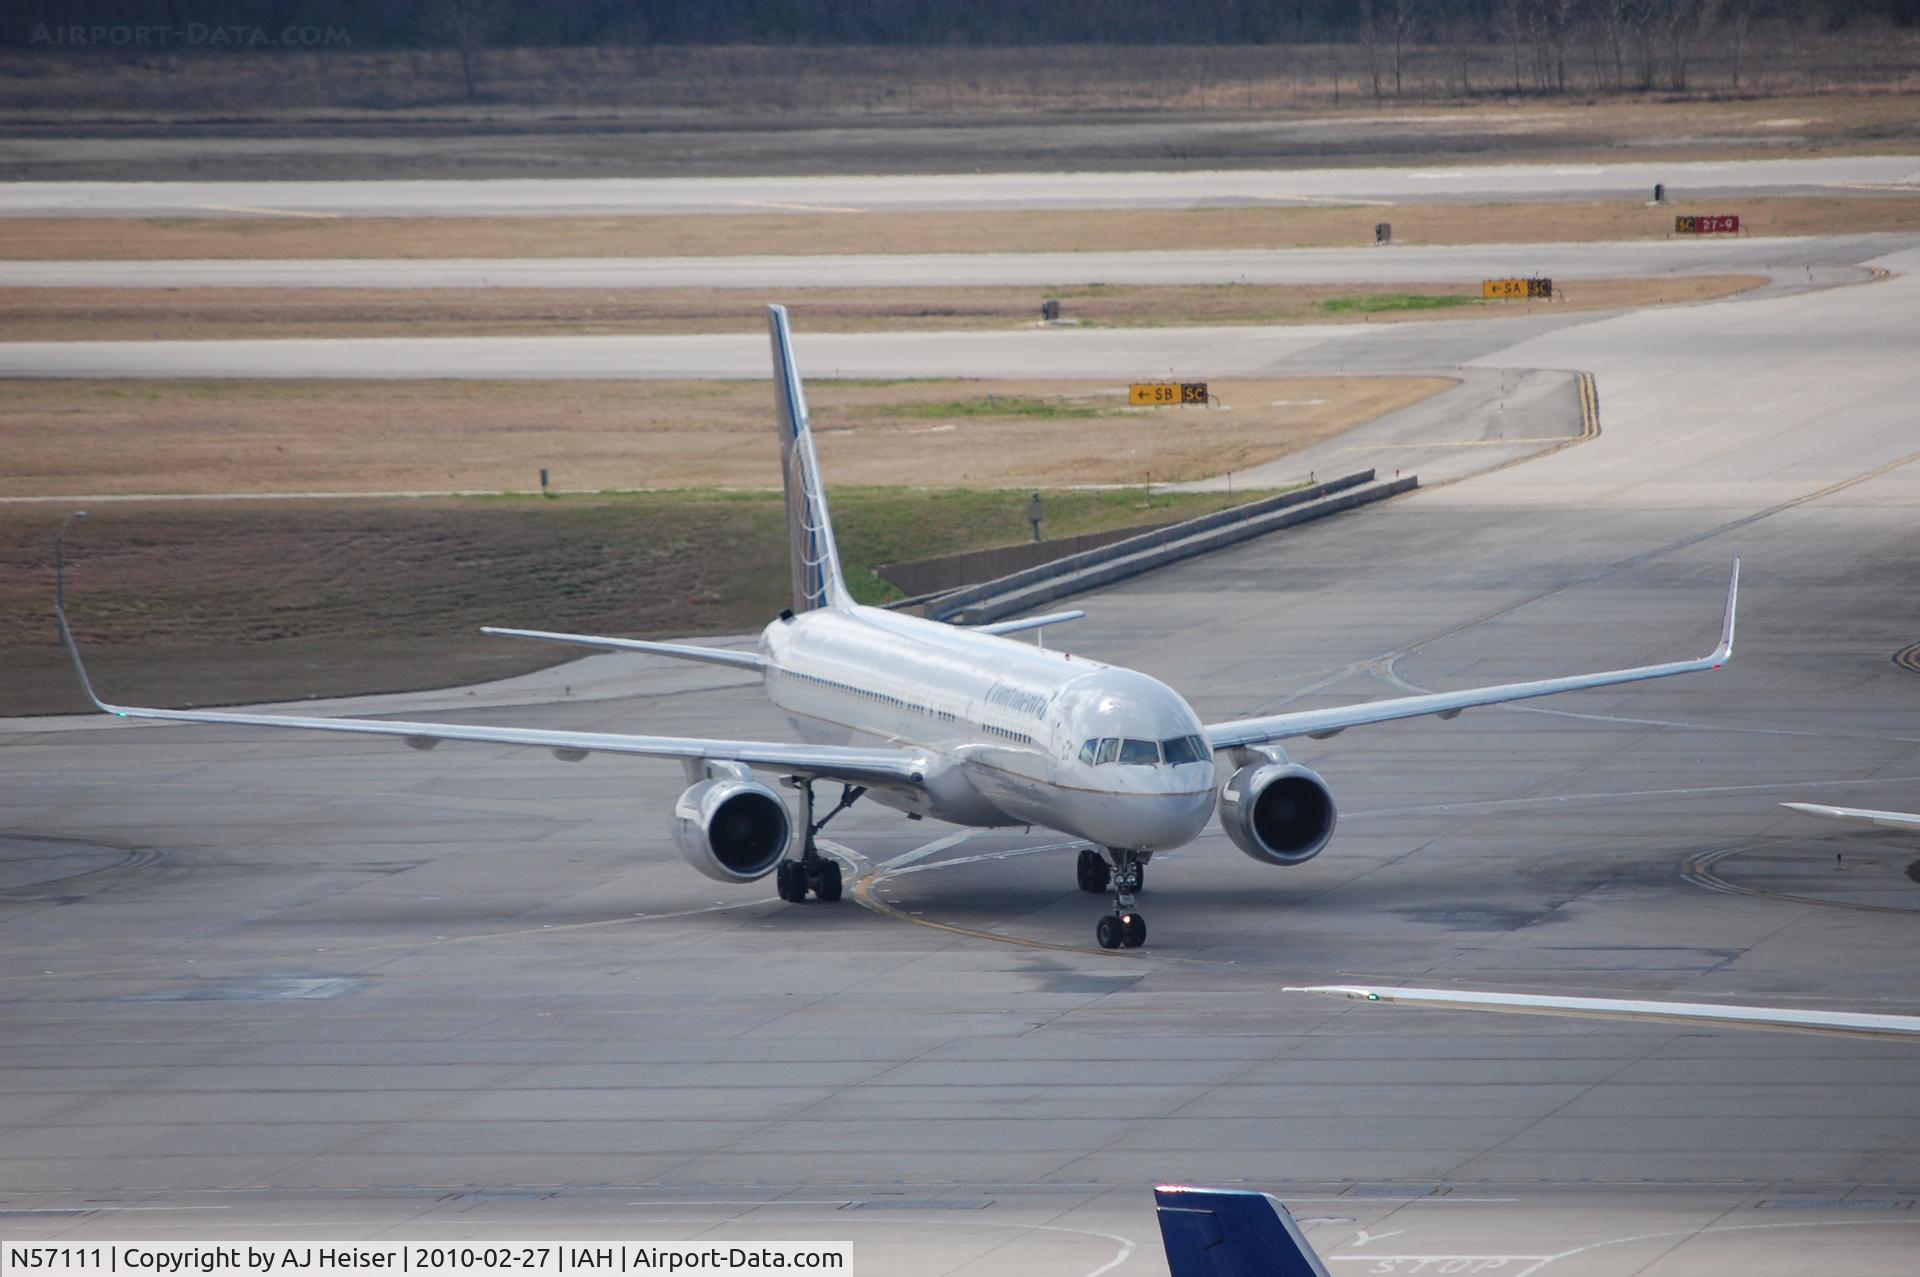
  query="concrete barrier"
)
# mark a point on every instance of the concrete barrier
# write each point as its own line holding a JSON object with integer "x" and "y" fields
{"x": 944, "y": 605}
{"x": 930, "y": 578}
{"x": 1024, "y": 591}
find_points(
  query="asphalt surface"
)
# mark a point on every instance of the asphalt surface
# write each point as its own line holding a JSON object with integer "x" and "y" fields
{"x": 549, "y": 197}
{"x": 1395, "y": 263}
{"x": 272, "y": 984}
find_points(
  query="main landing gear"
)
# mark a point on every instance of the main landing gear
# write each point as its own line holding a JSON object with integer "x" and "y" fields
{"x": 1126, "y": 873}
{"x": 813, "y": 871}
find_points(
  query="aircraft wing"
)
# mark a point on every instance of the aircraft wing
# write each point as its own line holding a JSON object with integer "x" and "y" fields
{"x": 1711, "y": 1013}
{"x": 891, "y": 768}
{"x": 679, "y": 651}
{"x": 1322, "y": 723}
{"x": 1906, "y": 821}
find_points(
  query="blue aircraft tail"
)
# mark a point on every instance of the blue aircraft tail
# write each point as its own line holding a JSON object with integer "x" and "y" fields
{"x": 1226, "y": 1232}
{"x": 815, "y": 561}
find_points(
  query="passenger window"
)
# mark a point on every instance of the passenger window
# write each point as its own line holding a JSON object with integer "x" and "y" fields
{"x": 1109, "y": 750}
{"x": 1139, "y": 753}
{"x": 1180, "y": 750}
{"x": 1086, "y": 751}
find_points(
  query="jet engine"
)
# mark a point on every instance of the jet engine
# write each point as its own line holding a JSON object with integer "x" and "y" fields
{"x": 730, "y": 829}
{"x": 1277, "y": 812}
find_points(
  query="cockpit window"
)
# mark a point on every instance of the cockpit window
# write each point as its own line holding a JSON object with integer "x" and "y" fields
{"x": 1087, "y": 751}
{"x": 1184, "y": 749}
{"x": 1109, "y": 750}
{"x": 1139, "y": 753}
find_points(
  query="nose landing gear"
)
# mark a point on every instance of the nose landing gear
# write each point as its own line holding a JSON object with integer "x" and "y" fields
{"x": 1124, "y": 928}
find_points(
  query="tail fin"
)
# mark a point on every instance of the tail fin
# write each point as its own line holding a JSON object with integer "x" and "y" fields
{"x": 1223, "y": 1232}
{"x": 817, "y": 581}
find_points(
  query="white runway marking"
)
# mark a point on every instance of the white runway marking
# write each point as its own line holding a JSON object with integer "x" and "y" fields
{"x": 1333, "y": 200}
{"x": 1456, "y": 443}
{"x": 927, "y": 849}
{"x": 1691, "y": 1233}
{"x": 268, "y": 212}
{"x": 1411, "y": 1264}
{"x": 797, "y": 208}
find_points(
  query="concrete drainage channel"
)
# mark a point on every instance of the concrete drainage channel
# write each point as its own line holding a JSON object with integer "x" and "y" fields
{"x": 1024, "y": 591}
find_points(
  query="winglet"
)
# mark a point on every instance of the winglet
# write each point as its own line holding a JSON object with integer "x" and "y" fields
{"x": 60, "y": 611}
{"x": 1226, "y": 1232}
{"x": 1724, "y": 652}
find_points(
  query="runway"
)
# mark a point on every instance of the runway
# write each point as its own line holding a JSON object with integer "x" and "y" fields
{"x": 1387, "y": 264}
{"x": 335, "y": 988}
{"x": 556, "y": 197}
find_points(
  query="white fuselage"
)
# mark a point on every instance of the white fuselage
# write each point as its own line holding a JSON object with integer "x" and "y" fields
{"x": 1012, "y": 734}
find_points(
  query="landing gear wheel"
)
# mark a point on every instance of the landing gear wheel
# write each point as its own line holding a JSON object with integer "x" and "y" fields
{"x": 790, "y": 880}
{"x": 1093, "y": 871}
{"x": 813, "y": 871}
{"x": 1133, "y": 929}
{"x": 1110, "y": 931}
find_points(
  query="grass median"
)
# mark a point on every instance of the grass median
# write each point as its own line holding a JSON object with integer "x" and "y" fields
{"x": 222, "y": 314}
{"x": 240, "y": 602}
{"x": 183, "y": 437}
{"x": 1088, "y": 230}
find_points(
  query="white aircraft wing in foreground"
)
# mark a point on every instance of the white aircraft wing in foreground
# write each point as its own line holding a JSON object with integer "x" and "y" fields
{"x": 1713, "y": 1013}
{"x": 1321, "y": 723}
{"x": 1905, "y": 821}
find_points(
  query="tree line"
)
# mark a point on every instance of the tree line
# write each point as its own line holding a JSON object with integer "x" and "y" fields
{"x": 1548, "y": 26}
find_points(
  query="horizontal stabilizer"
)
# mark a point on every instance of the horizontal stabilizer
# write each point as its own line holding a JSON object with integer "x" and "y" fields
{"x": 678, "y": 651}
{"x": 1227, "y": 1232}
{"x": 1028, "y": 623}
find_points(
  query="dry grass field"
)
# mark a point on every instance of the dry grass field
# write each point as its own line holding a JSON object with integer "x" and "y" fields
{"x": 166, "y": 437}
{"x": 1278, "y": 226}
{"x": 138, "y": 314}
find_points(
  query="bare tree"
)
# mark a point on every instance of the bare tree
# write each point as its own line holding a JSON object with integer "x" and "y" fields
{"x": 1681, "y": 25}
{"x": 1404, "y": 19}
{"x": 1615, "y": 20}
{"x": 1558, "y": 21}
{"x": 1644, "y": 27}
{"x": 1462, "y": 35}
{"x": 468, "y": 25}
{"x": 1370, "y": 24}
{"x": 1734, "y": 16}
{"x": 1510, "y": 28}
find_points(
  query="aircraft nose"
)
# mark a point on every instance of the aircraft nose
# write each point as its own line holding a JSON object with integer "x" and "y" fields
{"x": 1176, "y": 818}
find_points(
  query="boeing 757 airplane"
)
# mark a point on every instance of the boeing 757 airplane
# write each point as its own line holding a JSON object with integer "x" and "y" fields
{"x": 964, "y": 725}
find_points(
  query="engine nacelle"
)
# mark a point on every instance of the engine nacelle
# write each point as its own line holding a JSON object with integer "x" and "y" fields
{"x": 731, "y": 830}
{"x": 1278, "y": 813}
